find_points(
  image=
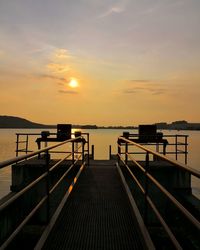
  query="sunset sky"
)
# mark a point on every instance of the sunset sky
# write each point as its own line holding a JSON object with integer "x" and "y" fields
{"x": 101, "y": 62}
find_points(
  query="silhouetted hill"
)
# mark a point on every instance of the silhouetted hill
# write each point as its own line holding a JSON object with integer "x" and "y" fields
{"x": 17, "y": 122}
{"x": 178, "y": 125}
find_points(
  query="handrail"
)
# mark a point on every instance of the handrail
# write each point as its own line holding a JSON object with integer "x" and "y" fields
{"x": 165, "y": 226}
{"x": 180, "y": 146}
{"x": 148, "y": 176}
{"x": 178, "y": 204}
{"x": 27, "y": 144}
{"x": 176, "y": 163}
{"x": 43, "y": 176}
{"x": 24, "y": 157}
{"x": 34, "y": 210}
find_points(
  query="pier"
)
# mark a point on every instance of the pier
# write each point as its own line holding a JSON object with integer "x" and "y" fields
{"x": 97, "y": 215}
{"x": 78, "y": 202}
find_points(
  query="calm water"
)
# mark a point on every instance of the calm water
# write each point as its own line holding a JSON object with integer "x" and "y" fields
{"x": 101, "y": 139}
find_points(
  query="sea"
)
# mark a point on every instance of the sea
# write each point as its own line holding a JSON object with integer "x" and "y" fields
{"x": 101, "y": 139}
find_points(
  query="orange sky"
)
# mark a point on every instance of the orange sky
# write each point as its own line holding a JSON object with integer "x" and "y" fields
{"x": 134, "y": 61}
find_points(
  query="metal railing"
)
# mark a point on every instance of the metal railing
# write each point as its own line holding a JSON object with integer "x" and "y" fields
{"x": 126, "y": 158}
{"x": 25, "y": 139}
{"x": 7, "y": 237}
{"x": 177, "y": 145}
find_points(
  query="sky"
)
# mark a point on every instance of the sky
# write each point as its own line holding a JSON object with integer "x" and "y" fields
{"x": 104, "y": 62}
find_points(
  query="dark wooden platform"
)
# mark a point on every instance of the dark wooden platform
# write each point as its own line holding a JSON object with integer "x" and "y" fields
{"x": 97, "y": 214}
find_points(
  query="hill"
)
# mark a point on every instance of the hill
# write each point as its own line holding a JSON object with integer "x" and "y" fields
{"x": 179, "y": 125}
{"x": 17, "y": 122}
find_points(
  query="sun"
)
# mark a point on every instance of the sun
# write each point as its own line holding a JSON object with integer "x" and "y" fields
{"x": 73, "y": 83}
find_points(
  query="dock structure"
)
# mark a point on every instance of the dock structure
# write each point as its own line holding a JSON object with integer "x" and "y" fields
{"x": 76, "y": 202}
{"x": 97, "y": 215}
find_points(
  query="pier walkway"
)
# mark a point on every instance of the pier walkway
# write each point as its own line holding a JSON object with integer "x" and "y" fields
{"x": 97, "y": 214}
{"x": 62, "y": 199}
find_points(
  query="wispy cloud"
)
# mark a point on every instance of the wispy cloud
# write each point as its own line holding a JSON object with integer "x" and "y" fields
{"x": 140, "y": 81}
{"x": 160, "y": 5}
{"x": 71, "y": 92}
{"x": 145, "y": 86}
{"x": 62, "y": 54}
{"x": 130, "y": 91}
{"x": 58, "y": 68}
{"x": 39, "y": 47}
{"x": 60, "y": 64}
{"x": 116, "y": 9}
{"x": 52, "y": 77}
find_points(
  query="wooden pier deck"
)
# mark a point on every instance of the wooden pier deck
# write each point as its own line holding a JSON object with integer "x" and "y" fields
{"x": 97, "y": 215}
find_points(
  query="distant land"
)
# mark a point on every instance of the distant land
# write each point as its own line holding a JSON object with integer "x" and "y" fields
{"x": 176, "y": 125}
{"x": 179, "y": 125}
{"x": 17, "y": 122}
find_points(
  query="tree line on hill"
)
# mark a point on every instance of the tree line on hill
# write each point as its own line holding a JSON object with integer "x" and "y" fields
{"x": 179, "y": 125}
{"x": 17, "y": 122}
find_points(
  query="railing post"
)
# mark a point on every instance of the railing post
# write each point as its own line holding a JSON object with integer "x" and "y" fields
{"x": 176, "y": 147}
{"x": 47, "y": 161}
{"x": 92, "y": 153}
{"x": 119, "y": 150}
{"x": 26, "y": 144}
{"x": 76, "y": 153}
{"x": 146, "y": 189}
{"x": 157, "y": 147}
{"x": 73, "y": 152}
{"x": 83, "y": 155}
{"x": 88, "y": 149}
{"x": 110, "y": 152}
{"x": 126, "y": 153}
{"x": 17, "y": 146}
{"x": 186, "y": 153}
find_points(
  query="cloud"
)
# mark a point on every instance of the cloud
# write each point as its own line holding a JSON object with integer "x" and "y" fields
{"x": 161, "y": 5}
{"x": 61, "y": 83}
{"x": 145, "y": 90}
{"x": 62, "y": 54}
{"x": 130, "y": 91}
{"x": 68, "y": 92}
{"x": 58, "y": 68}
{"x": 39, "y": 47}
{"x": 145, "y": 86}
{"x": 158, "y": 92}
{"x": 52, "y": 77}
{"x": 60, "y": 62}
{"x": 112, "y": 10}
{"x": 140, "y": 81}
